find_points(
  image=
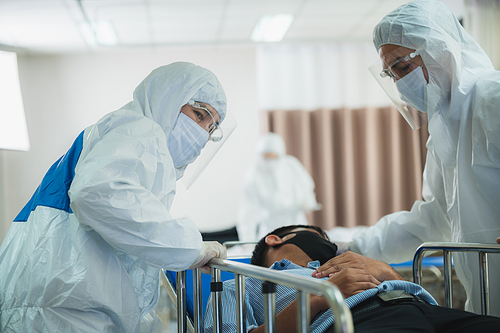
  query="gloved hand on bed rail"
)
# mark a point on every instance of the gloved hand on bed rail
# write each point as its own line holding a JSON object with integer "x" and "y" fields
{"x": 208, "y": 251}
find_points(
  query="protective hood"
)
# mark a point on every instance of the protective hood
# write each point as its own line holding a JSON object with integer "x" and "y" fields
{"x": 453, "y": 60}
{"x": 161, "y": 95}
{"x": 271, "y": 143}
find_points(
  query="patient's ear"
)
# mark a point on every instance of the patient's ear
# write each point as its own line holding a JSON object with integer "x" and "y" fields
{"x": 273, "y": 240}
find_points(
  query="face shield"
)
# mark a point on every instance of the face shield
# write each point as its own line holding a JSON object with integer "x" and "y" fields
{"x": 400, "y": 73}
{"x": 218, "y": 133}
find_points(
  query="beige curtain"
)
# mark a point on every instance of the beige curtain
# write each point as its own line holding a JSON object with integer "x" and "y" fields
{"x": 365, "y": 163}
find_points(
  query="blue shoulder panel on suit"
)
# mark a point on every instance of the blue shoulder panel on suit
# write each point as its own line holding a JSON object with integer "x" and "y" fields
{"x": 53, "y": 191}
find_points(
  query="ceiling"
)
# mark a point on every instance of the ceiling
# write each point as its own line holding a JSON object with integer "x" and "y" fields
{"x": 51, "y": 26}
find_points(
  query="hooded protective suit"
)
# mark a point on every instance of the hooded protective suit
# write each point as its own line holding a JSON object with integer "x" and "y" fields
{"x": 461, "y": 181}
{"x": 276, "y": 192}
{"x": 84, "y": 255}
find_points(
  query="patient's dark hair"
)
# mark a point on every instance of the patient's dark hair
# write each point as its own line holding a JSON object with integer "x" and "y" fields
{"x": 260, "y": 252}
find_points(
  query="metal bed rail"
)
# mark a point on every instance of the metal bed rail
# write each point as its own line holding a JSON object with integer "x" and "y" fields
{"x": 184, "y": 324}
{"x": 448, "y": 247}
{"x": 304, "y": 287}
{"x": 229, "y": 244}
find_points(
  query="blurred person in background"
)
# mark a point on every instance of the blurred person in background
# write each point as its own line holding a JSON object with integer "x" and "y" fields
{"x": 277, "y": 191}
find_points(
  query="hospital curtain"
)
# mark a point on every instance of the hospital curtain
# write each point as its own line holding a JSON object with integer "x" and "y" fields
{"x": 365, "y": 159}
{"x": 365, "y": 162}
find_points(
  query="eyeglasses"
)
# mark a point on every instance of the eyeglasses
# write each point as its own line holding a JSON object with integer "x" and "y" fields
{"x": 207, "y": 121}
{"x": 400, "y": 67}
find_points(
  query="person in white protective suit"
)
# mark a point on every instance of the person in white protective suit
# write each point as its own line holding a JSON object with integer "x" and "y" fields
{"x": 277, "y": 191}
{"x": 84, "y": 255}
{"x": 440, "y": 71}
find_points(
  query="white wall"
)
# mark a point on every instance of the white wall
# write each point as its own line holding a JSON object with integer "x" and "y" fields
{"x": 3, "y": 198}
{"x": 64, "y": 94}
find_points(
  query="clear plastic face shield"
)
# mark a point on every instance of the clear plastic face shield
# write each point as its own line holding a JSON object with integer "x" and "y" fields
{"x": 400, "y": 72}
{"x": 218, "y": 132}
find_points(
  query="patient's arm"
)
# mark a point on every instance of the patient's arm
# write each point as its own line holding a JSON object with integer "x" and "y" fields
{"x": 380, "y": 270}
{"x": 350, "y": 281}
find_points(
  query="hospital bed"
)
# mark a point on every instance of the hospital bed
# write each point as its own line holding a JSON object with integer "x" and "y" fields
{"x": 304, "y": 286}
{"x": 483, "y": 250}
{"x": 183, "y": 287}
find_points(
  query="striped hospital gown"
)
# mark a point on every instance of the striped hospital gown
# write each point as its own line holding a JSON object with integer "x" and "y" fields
{"x": 254, "y": 301}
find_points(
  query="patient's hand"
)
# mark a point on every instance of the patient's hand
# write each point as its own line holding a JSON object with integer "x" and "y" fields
{"x": 350, "y": 281}
{"x": 380, "y": 270}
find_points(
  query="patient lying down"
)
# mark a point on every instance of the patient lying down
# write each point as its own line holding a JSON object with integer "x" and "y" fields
{"x": 379, "y": 298}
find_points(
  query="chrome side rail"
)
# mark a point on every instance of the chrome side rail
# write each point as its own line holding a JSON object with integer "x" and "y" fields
{"x": 172, "y": 294}
{"x": 229, "y": 244}
{"x": 448, "y": 248}
{"x": 343, "y": 318}
{"x": 304, "y": 286}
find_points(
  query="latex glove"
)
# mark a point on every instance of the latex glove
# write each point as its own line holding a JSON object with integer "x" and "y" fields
{"x": 208, "y": 251}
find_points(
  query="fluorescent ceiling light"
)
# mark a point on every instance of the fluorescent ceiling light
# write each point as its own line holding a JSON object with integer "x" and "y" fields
{"x": 13, "y": 129}
{"x": 271, "y": 28}
{"x": 98, "y": 33}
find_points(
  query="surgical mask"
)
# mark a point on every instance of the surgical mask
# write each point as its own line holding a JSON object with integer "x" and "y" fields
{"x": 314, "y": 245}
{"x": 186, "y": 140}
{"x": 412, "y": 89}
{"x": 270, "y": 163}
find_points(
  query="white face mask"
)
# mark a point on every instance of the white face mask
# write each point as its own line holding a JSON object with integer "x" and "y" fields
{"x": 270, "y": 163}
{"x": 412, "y": 89}
{"x": 186, "y": 140}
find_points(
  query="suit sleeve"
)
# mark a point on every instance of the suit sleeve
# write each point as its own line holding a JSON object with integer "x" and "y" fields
{"x": 123, "y": 186}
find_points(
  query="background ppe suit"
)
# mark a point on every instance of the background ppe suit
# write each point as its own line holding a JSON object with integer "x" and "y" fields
{"x": 461, "y": 180}
{"x": 84, "y": 255}
{"x": 276, "y": 192}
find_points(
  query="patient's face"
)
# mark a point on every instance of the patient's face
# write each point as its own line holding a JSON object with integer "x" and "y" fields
{"x": 287, "y": 251}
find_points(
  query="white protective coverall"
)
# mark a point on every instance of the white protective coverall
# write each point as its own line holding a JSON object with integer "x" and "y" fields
{"x": 461, "y": 180}
{"x": 276, "y": 192}
{"x": 89, "y": 259}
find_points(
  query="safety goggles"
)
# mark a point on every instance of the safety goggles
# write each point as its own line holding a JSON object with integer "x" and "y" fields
{"x": 206, "y": 120}
{"x": 400, "y": 67}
